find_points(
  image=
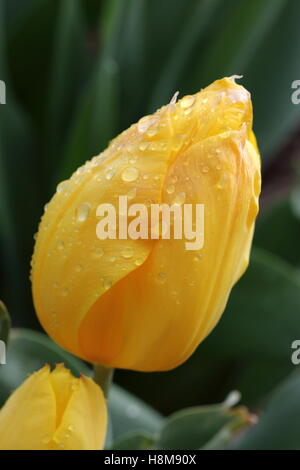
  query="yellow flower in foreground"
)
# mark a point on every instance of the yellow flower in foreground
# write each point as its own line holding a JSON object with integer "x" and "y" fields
{"x": 146, "y": 304}
{"x": 54, "y": 410}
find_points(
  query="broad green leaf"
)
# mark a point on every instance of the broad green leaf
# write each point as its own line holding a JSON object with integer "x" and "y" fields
{"x": 168, "y": 81}
{"x": 4, "y": 323}
{"x": 67, "y": 65}
{"x": 131, "y": 58}
{"x": 269, "y": 78}
{"x": 17, "y": 171}
{"x": 278, "y": 231}
{"x": 29, "y": 350}
{"x": 278, "y": 426}
{"x": 262, "y": 317}
{"x": 134, "y": 441}
{"x": 30, "y": 39}
{"x": 194, "y": 428}
{"x": 95, "y": 120}
{"x": 239, "y": 39}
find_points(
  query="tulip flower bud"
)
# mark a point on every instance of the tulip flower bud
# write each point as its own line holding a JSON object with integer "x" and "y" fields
{"x": 143, "y": 303}
{"x": 52, "y": 411}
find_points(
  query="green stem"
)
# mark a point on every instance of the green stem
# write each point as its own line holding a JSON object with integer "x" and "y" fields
{"x": 103, "y": 377}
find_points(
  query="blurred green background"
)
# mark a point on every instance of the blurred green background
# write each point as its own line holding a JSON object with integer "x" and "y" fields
{"x": 78, "y": 72}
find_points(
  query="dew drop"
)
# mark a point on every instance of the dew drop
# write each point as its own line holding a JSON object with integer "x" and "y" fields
{"x": 152, "y": 132}
{"x": 197, "y": 257}
{"x": 127, "y": 252}
{"x": 112, "y": 259}
{"x": 205, "y": 169}
{"x": 107, "y": 284}
{"x": 131, "y": 193}
{"x": 130, "y": 174}
{"x": 138, "y": 262}
{"x": 109, "y": 174}
{"x": 83, "y": 212}
{"x": 187, "y": 101}
{"x": 99, "y": 252}
{"x": 145, "y": 123}
{"x": 64, "y": 291}
{"x": 78, "y": 268}
{"x": 171, "y": 189}
{"x": 61, "y": 186}
{"x": 143, "y": 146}
{"x": 162, "y": 277}
{"x": 179, "y": 198}
{"x": 60, "y": 245}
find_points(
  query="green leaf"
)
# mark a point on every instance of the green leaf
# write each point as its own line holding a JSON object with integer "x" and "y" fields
{"x": 30, "y": 39}
{"x": 95, "y": 121}
{"x": 134, "y": 441}
{"x": 278, "y": 426}
{"x": 197, "y": 427}
{"x": 268, "y": 232}
{"x": 236, "y": 44}
{"x": 5, "y": 323}
{"x": 270, "y": 78}
{"x": 16, "y": 211}
{"x": 67, "y": 66}
{"x": 131, "y": 58}
{"x": 194, "y": 27}
{"x": 29, "y": 350}
{"x": 263, "y": 309}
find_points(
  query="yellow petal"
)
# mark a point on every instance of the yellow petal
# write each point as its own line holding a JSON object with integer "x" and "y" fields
{"x": 27, "y": 420}
{"x": 83, "y": 425}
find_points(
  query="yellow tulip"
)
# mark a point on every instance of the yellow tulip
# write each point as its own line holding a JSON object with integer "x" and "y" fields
{"x": 52, "y": 411}
{"x": 146, "y": 304}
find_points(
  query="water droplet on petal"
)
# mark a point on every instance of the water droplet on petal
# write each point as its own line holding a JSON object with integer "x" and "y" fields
{"x": 83, "y": 212}
{"x": 64, "y": 291}
{"x": 127, "y": 252}
{"x": 60, "y": 245}
{"x": 61, "y": 186}
{"x": 78, "y": 268}
{"x": 162, "y": 277}
{"x": 145, "y": 123}
{"x": 109, "y": 174}
{"x": 131, "y": 193}
{"x": 152, "y": 132}
{"x": 130, "y": 174}
{"x": 99, "y": 252}
{"x": 179, "y": 198}
{"x": 143, "y": 146}
{"x": 107, "y": 284}
{"x": 171, "y": 189}
{"x": 187, "y": 101}
{"x": 197, "y": 257}
{"x": 138, "y": 262}
{"x": 205, "y": 169}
